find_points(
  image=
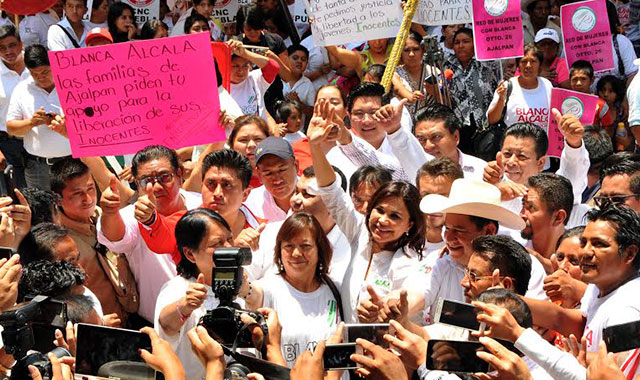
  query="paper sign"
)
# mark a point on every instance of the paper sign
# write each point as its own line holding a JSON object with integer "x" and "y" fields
{"x": 339, "y": 22}
{"x": 586, "y": 34}
{"x": 443, "y": 12}
{"x": 225, "y": 11}
{"x": 582, "y": 106}
{"x": 145, "y": 10}
{"x": 497, "y": 29}
{"x": 123, "y": 97}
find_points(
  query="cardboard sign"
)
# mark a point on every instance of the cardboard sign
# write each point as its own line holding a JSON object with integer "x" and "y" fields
{"x": 443, "y": 12}
{"x": 497, "y": 29}
{"x": 339, "y": 22}
{"x": 586, "y": 34}
{"x": 225, "y": 11}
{"x": 582, "y": 106}
{"x": 145, "y": 10}
{"x": 123, "y": 97}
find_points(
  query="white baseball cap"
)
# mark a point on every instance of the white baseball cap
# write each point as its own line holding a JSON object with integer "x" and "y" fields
{"x": 547, "y": 34}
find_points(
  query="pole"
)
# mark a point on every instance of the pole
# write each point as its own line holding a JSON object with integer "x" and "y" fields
{"x": 394, "y": 58}
{"x": 293, "y": 31}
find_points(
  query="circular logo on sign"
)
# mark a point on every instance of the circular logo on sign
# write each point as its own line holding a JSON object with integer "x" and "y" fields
{"x": 584, "y": 19}
{"x": 140, "y": 3}
{"x": 222, "y": 4}
{"x": 496, "y": 7}
{"x": 573, "y": 106}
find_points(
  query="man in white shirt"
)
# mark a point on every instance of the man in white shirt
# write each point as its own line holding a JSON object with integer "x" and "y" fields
{"x": 33, "y": 105}
{"x": 71, "y": 32}
{"x": 12, "y": 71}
{"x": 34, "y": 29}
{"x": 621, "y": 181}
{"x": 278, "y": 170}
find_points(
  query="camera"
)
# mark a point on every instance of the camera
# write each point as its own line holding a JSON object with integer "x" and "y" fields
{"x": 20, "y": 371}
{"x": 223, "y": 323}
{"x": 236, "y": 371}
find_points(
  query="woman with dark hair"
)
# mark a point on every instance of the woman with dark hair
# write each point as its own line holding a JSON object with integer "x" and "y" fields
{"x": 301, "y": 293}
{"x": 154, "y": 29}
{"x": 385, "y": 244}
{"x": 186, "y": 298}
{"x": 121, "y": 22}
{"x": 247, "y": 133}
{"x": 196, "y": 23}
{"x": 99, "y": 14}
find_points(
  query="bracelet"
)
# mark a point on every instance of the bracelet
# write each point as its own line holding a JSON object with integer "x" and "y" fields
{"x": 180, "y": 315}
{"x": 249, "y": 292}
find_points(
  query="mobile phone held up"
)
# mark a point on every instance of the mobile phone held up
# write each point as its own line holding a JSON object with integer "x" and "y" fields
{"x": 8, "y": 184}
{"x": 373, "y": 332}
{"x": 337, "y": 356}
{"x": 624, "y": 337}
{"x": 458, "y": 314}
{"x": 455, "y": 356}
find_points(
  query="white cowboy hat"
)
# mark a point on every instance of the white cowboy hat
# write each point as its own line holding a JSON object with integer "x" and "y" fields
{"x": 472, "y": 197}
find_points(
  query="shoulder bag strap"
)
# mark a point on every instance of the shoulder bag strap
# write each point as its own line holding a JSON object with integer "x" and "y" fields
{"x": 616, "y": 47}
{"x": 336, "y": 294}
{"x": 506, "y": 100}
{"x": 73, "y": 40}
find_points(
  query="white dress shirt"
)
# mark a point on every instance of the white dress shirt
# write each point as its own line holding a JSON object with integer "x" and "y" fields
{"x": 57, "y": 39}
{"x": 264, "y": 206}
{"x": 9, "y": 79}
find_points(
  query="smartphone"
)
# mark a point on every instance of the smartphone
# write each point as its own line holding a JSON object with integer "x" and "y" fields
{"x": 455, "y": 356}
{"x": 5, "y": 253}
{"x": 336, "y": 356}
{"x": 111, "y": 352}
{"x": 458, "y": 314}
{"x": 8, "y": 184}
{"x": 622, "y": 337}
{"x": 373, "y": 332}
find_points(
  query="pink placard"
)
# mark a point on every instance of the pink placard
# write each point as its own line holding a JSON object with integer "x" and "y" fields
{"x": 497, "y": 29}
{"x": 123, "y": 97}
{"x": 586, "y": 34}
{"x": 582, "y": 106}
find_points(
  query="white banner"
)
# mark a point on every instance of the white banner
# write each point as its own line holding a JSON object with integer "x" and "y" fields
{"x": 226, "y": 10}
{"x": 443, "y": 12}
{"x": 145, "y": 10}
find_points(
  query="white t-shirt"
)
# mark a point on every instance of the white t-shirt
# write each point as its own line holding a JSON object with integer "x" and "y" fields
{"x": 527, "y": 105}
{"x": 9, "y": 79}
{"x": 249, "y": 94}
{"x": 34, "y": 29}
{"x": 304, "y": 88}
{"x": 293, "y": 137}
{"x": 306, "y": 318}
{"x": 633, "y": 96}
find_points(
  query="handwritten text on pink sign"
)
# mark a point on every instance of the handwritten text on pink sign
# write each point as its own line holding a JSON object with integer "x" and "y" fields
{"x": 497, "y": 29}
{"x": 582, "y": 106}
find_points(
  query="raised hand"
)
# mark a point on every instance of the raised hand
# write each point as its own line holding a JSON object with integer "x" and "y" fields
{"x": 110, "y": 200}
{"x": 501, "y": 323}
{"x": 10, "y": 272}
{"x": 508, "y": 364}
{"x": 411, "y": 347}
{"x": 379, "y": 364}
{"x": 59, "y": 125}
{"x": 249, "y": 237}
{"x": 494, "y": 171}
{"x": 390, "y": 116}
{"x": 309, "y": 366}
{"x": 194, "y": 298}
{"x": 570, "y": 127}
{"x": 162, "y": 357}
{"x": 369, "y": 309}
{"x": 396, "y": 308}
{"x": 322, "y": 122}
{"x": 206, "y": 348}
{"x": 145, "y": 207}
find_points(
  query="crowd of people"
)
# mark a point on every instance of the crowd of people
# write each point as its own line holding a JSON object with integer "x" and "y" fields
{"x": 359, "y": 205}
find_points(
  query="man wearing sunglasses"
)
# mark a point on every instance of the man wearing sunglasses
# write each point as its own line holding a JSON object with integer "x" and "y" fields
{"x": 620, "y": 181}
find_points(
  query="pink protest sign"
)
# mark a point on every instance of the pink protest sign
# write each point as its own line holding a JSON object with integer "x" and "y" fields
{"x": 123, "y": 97}
{"x": 586, "y": 34}
{"x": 497, "y": 29}
{"x": 582, "y": 106}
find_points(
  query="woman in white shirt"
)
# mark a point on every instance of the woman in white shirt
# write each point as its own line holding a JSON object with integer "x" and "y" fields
{"x": 303, "y": 295}
{"x": 186, "y": 298}
{"x": 387, "y": 242}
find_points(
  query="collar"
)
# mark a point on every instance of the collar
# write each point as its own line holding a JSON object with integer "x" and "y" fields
{"x": 5, "y": 70}
{"x": 87, "y": 229}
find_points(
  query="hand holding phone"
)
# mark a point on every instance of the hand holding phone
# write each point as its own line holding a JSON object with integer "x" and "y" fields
{"x": 459, "y": 314}
{"x": 455, "y": 356}
{"x": 338, "y": 356}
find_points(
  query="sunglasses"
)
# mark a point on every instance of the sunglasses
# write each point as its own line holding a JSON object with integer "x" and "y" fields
{"x": 163, "y": 178}
{"x": 605, "y": 200}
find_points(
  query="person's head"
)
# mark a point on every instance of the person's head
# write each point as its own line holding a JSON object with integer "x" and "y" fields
{"x": 302, "y": 250}
{"x": 459, "y": 232}
{"x": 158, "y": 165}
{"x": 43, "y": 205}
{"x": 251, "y": 22}
{"x": 306, "y": 197}
{"x": 599, "y": 145}
{"x": 412, "y": 52}
{"x": 581, "y": 76}
{"x": 378, "y": 46}
{"x": 289, "y": 112}
{"x": 154, "y": 29}
{"x": 620, "y": 176}
{"x": 538, "y": 11}
{"x": 548, "y": 41}
{"x": 364, "y": 100}
{"x": 225, "y": 181}
{"x": 547, "y": 204}
{"x": 98, "y": 37}
{"x": 74, "y": 10}
{"x": 299, "y": 57}
{"x": 463, "y": 45}
{"x": 394, "y": 219}
{"x": 449, "y": 32}
{"x": 438, "y": 130}
{"x": 80, "y": 309}
{"x": 509, "y": 66}
{"x": 49, "y": 278}
{"x": 373, "y": 73}
{"x": 240, "y": 68}
{"x": 491, "y": 253}
{"x": 522, "y": 151}
{"x": 120, "y": 18}
{"x": 609, "y": 247}
{"x": 51, "y": 242}
{"x": 204, "y": 7}
{"x": 335, "y": 96}
{"x": 99, "y": 11}
{"x": 509, "y": 300}
{"x": 58, "y": 8}
{"x": 267, "y": 6}
{"x": 277, "y": 167}
{"x": 568, "y": 251}
{"x": 529, "y": 64}
{"x": 196, "y": 23}
{"x": 72, "y": 181}
{"x": 10, "y": 44}
{"x": 364, "y": 182}
{"x": 436, "y": 177}
{"x": 247, "y": 133}
{"x": 37, "y": 62}
{"x": 614, "y": 19}
{"x": 610, "y": 88}
{"x": 198, "y": 234}
{"x": 276, "y": 24}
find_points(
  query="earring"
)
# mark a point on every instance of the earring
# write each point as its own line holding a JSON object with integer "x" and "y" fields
{"x": 320, "y": 267}
{"x": 280, "y": 266}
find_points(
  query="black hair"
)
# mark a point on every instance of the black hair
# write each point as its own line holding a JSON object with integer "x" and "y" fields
{"x": 40, "y": 245}
{"x": 230, "y": 159}
{"x": 42, "y": 203}
{"x": 191, "y": 229}
{"x": 532, "y": 131}
{"x": 116, "y": 10}
{"x": 463, "y": 30}
{"x": 195, "y": 17}
{"x": 438, "y": 112}
{"x": 614, "y": 20}
{"x": 617, "y": 85}
{"x": 293, "y": 48}
{"x": 532, "y": 48}
{"x": 310, "y": 172}
{"x": 623, "y": 163}
{"x": 571, "y": 232}
{"x": 581, "y": 65}
{"x": 365, "y": 89}
{"x": 49, "y": 278}
{"x": 507, "y": 255}
{"x": 625, "y": 222}
{"x": 154, "y": 152}
{"x": 330, "y": 85}
{"x": 532, "y": 4}
{"x": 598, "y": 144}
{"x": 83, "y": 1}
{"x": 36, "y": 56}
{"x": 8, "y": 31}
{"x": 198, "y": 2}
{"x": 150, "y": 28}
{"x": 97, "y": 3}
{"x": 413, "y": 35}
{"x": 506, "y": 299}
{"x": 376, "y": 71}
{"x": 78, "y": 307}
{"x": 251, "y": 15}
{"x": 555, "y": 191}
{"x": 66, "y": 170}
{"x": 437, "y": 167}
{"x": 481, "y": 222}
{"x": 284, "y": 108}
{"x": 371, "y": 175}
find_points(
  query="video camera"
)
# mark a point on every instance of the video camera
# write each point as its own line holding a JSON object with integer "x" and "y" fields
{"x": 223, "y": 323}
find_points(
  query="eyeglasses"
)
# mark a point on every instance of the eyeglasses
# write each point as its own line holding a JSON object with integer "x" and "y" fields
{"x": 605, "y": 200}
{"x": 360, "y": 115}
{"x": 163, "y": 178}
{"x": 473, "y": 277}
